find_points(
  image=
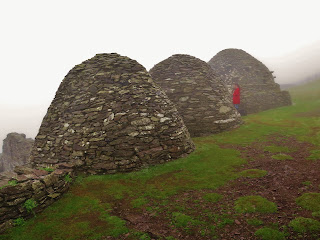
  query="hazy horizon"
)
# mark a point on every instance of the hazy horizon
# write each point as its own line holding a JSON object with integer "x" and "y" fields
{"x": 42, "y": 41}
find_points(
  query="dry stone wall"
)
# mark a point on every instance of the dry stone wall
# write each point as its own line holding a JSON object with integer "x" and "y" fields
{"x": 200, "y": 96}
{"x": 109, "y": 116}
{"x": 15, "y": 151}
{"x": 259, "y": 91}
{"x": 27, "y": 186}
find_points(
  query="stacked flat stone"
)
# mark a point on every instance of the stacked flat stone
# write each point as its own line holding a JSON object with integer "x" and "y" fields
{"x": 200, "y": 96}
{"x": 26, "y": 184}
{"x": 259, "y": 91}
{"x": 109, "y": 116}
{"x": 15, "y": 151}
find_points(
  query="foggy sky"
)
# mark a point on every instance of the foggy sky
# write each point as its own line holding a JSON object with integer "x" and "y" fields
{"x": 41, "y": 41}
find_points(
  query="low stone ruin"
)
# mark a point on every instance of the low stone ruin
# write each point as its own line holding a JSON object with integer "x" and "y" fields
{"x": 38, "y": 186}
{"x": 200, "y": 96}
{"x": 15, "y": 151}
{"x": 259, "y": 91}
{"x": 108, "y": 116}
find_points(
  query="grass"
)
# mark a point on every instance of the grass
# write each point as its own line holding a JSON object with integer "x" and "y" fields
{"x": 304, "y": 225}
{"x": 309, "y": 201}
{"x": 86, "y": 209}
{"x": 212, "y": 197}
{"x": 139, "y": 202}
{"x": 307, "y": 183}
{"x": 19, "y": 221}
{"x": 183, "y": 220}
{"x": 254, "y": 204}
{"x": 12, "y": 182}
{"x": 270, "y": 234}
{"x": 48, "y": 169}
{"x": 85, "y": 218}
{"x": 315, "y": 155}
{"x": 316, "y": 214}
{"x": 30, "y": 204}
{"x": 276, "y": 149}
{"x": 253, "y": 173}
{"x": 254, "y": 222}
{"x": 67, "y": 178}
{"x": 282, "y": 156}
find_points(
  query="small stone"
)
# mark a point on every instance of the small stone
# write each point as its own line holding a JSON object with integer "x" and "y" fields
{"x": 54, "y": 195}
{"x": 50, "y": 179}
{"x": 183, "y": 99}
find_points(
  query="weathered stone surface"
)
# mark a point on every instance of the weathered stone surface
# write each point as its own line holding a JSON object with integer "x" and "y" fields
{"x": 44, "y": 192}
{"x": 15, "y": 151}
{"x": 106, "y": 112}
{"x": 259, "y": 92}
{"x": 198, "y": 94}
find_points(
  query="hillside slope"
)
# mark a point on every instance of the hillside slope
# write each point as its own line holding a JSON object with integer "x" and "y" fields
{"x": 260, "y": 181}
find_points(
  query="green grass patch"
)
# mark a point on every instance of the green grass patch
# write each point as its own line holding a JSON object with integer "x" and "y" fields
{"x": 48, "y": 169}
{"x": 141, "y": 236}
{"x": 139, "y": 202}
{"x": 315, "y": 155}
{"x": 303, "y": 225}
{"x": 282, "y": 156}
{"x": 30, "y": 204}
{"x": 309, "y": 201}
{"x": 254, "y": 222}
{"x": 223, "y": 221}
{"x": 68, "y": 178}
{"x": 276, "y": 149}
{"x": 86, "y": 219}
{"x": 316, "y": 214}
{"x": 212, "y": 197}
{"x": 12, "y": 182}
{"x": 253, "y": 173}
{"x": 307, "y": 183}
{"x": 252, "y": 204}
{"x": 270, "y": 234}
{"x": 183, "y": 220}
{"x": 19, "y": 221}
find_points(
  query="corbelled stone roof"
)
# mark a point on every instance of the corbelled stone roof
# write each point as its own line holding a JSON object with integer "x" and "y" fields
{"x": 259, "y": 91}
{"x": 109, "y": 116}
{"x": 200, "y": 96}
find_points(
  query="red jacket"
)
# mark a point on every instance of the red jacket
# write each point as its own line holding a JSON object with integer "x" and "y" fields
{"x": 236, "y": 96}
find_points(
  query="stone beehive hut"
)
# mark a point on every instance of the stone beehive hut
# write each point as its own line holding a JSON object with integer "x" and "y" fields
{"x": 109, "y": 116}
{"x": 259, "y": 92}
{"x": 201, "y": 97}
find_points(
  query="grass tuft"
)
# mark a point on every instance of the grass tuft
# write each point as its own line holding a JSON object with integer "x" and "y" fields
{"x": 254, "y": 222}
{"x": 139, "y": 202}
{"x": 304, "y": 225}
{"x": 276, "y": 149}
{"x": 270, "y": 234}
{"x": 252, "y": 204}
{"x": 183, "y": 220}
{"x": 316, "y": 214}
{"x": 309, "y": 201}
{"x": 315, "y": 155}
{"x": 282, "y": 156}
{"x": 212, "y": 197}
{"x": 253, "y": 173}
